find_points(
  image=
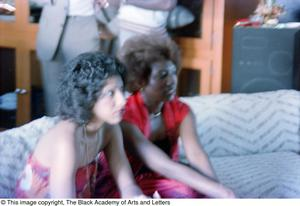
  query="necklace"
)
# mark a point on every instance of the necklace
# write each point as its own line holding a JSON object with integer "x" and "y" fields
{"x": 151, "y": 115}
{"x": 154, "y": 115}
{"x": 89, "y": 188}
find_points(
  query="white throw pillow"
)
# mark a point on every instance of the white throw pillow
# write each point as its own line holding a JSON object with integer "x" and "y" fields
{"x": 180, "y": 16}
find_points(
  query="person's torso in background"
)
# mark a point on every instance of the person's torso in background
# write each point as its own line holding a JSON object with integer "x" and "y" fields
{"x": 81, "y": 7}
{"x": 151, "y": 18}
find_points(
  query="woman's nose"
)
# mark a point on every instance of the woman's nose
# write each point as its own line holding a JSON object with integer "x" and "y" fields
{"x": 170, "y": 80}
{"x": 120, "y": 99}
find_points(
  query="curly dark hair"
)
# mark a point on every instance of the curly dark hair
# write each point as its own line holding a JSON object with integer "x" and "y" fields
{"x": 140, "y": 52}
{"x": 82, "y": 83}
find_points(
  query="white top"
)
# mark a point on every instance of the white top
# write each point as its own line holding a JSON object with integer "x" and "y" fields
{"x": 135, "y": 21}
{"x": 140, "y": 16}
{"x": 81, "y": 7}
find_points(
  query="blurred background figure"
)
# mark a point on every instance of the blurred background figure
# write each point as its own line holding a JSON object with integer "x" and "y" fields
{"x": 137, "y": 17}
{"x": 6, "y": 7}
{"x": 67, "y": 28}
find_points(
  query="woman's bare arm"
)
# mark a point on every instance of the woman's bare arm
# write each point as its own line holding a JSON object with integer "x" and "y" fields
{"x": 118, "y": 163}
{"x": 195, "y": 154}
{"x": 63, "y": 169}
{"x": 159, "y": 162}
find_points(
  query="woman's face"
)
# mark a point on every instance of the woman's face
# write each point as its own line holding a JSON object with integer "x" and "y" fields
{"x": 163, "y": 80}
{"x": 109, "y": 105}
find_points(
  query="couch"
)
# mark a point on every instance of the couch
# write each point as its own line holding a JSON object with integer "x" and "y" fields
{"x": 253, "y": 142}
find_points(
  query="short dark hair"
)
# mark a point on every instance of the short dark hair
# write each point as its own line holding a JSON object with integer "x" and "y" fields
{"x": 140, "y": 52}
{"x": 82, "y": 82}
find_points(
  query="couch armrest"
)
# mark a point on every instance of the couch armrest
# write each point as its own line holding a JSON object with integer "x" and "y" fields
{"x": 15, "y": 146}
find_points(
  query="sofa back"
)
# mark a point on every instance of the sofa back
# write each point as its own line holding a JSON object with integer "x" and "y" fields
{"x": 242, "y": 124}
{"x": 15, "y": 146}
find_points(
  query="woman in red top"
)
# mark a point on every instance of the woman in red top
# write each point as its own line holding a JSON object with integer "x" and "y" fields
{"x": 154, "y": 118}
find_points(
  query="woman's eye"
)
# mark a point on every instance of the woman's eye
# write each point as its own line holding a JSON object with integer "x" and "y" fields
{"x": 163, "y": 75}
{"x": 174, "y": 71}
{"x": 109, "y": 93}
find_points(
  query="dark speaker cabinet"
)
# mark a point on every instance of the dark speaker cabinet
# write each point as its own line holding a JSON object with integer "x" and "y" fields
{"x": 265, "y": 59}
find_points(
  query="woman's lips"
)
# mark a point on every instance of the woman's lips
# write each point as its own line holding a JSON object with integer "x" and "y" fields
{"x": 118, "y": 112}
{"x": 171, "y": 91}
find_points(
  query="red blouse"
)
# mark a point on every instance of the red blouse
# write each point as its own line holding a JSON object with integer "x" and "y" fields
{"x": 173, "y": 113}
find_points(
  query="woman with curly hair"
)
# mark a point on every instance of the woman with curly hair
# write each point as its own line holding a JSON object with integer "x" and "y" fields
{"x": 154, "y": 119}
{"x": 64, "y": 163}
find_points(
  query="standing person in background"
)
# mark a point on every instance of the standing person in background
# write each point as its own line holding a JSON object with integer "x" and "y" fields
{"x": 138, "y": 17}
{"x": 67, "y": 28}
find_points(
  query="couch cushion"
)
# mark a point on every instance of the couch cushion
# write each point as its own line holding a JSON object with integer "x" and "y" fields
{"x": 15, "y": 146}
{"x": 274, "y": 175}
{"x": 241, "y": 124}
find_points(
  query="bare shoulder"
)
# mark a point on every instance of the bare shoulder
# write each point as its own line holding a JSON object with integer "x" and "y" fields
{"x": 130, "y": 129}
{"x": 63, "y": 132}
{"x": 59, "y": 138}
{"x": 111, "y": 132}
{"x": 189, "y": 120}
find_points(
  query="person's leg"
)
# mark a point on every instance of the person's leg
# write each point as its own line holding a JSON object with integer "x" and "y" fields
{"x": 51, "y": 70}
{"x": 81, "y": 35}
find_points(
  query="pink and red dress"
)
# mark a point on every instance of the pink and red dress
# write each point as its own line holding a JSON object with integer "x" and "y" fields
{"x": 34, "y": 180}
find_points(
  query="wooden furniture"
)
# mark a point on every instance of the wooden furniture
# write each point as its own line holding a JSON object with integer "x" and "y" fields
{"x": 211, "y": 53}
{"x": 20, "y": 35}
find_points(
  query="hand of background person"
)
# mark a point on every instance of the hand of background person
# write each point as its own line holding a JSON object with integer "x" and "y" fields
{"x": 6, "y": 8}
{"x": 101, "y": 3}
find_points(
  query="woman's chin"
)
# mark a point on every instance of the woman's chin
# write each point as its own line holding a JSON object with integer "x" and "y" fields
{"x": 170, "y": 96}
{"x": 114, "y": 121}
{"x": 118, "y": 119}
